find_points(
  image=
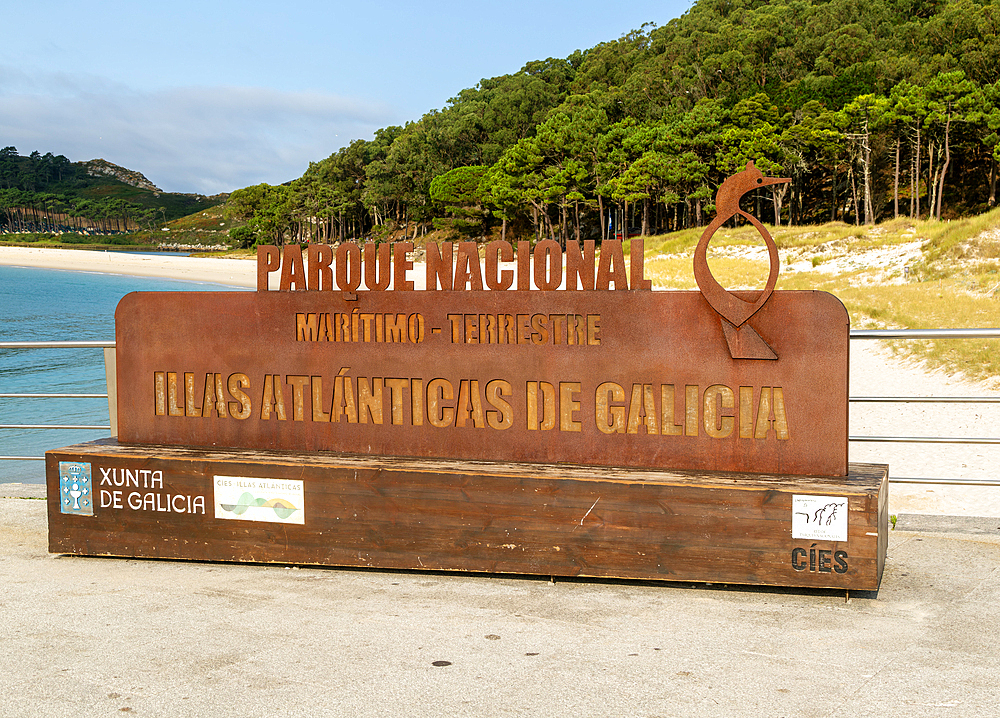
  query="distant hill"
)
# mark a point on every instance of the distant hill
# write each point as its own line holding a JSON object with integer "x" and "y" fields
{"x": 50, "y": 193}
{"x": 103, "y": 168}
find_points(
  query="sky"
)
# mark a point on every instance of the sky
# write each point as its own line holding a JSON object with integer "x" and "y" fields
{"x": 214, "y": 95}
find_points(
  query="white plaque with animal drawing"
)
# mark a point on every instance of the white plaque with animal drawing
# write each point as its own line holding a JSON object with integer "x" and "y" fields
{"x": 819, "y": 518}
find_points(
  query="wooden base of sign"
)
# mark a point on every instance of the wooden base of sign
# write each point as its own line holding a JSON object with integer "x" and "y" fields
{"x": 399, "y": 513}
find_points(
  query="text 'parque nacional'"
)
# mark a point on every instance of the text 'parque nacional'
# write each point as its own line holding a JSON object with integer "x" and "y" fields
{"x": 379, "y": 267}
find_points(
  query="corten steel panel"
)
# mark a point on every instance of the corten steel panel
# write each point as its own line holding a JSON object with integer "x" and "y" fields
{"x": 654, "y": 339}
{"x": 544, "y": 519}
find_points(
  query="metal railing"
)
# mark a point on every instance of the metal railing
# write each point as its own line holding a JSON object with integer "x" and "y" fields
{"x": 109, "y": 364}
{"x": 856, "y": 334}
{"x": 991, "y": 333}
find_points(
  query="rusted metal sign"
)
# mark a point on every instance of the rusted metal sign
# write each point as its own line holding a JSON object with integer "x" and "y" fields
{"x": 603, "y": 378}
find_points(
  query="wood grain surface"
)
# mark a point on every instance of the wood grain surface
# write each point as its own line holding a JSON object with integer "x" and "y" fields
{"x": 494, "y": 517}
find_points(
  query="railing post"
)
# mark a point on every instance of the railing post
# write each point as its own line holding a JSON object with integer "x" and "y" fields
{"x": 111, "y": 376}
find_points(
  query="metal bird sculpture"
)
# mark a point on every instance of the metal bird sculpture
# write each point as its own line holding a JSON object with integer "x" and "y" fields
{"x": 743, "y": 341}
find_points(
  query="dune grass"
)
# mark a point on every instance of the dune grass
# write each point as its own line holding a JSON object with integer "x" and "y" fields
{"x": 955, "y": 283}
{"x": 947, "y": 303}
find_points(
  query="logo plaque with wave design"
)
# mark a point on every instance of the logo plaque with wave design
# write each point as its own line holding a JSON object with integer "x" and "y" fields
{"x": 259, "y": 499}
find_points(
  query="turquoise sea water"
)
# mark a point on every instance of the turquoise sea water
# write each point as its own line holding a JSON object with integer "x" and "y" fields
{"x": 46, "y": 304}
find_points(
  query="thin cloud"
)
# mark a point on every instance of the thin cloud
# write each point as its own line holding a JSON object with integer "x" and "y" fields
{"x": 189, "y": 139}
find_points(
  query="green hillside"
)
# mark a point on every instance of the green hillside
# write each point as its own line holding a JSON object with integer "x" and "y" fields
{"x": 874, "y": 109}
{"x": 52, "y": 195}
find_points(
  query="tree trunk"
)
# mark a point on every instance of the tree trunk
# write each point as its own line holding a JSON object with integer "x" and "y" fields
{"x": 792, "y": 194}
{"x": 833, "y": 193}
{"x": 800, "y": 216}
{"x": 645, "y": 217}
{"x": 931, "y": 181}
{"x": 777, "y": 199}
{"x": 895, "y": 185}
{"x": 576, "y": 212}
{"x": 562, "y": 223}
{"x": 854, "y": 194}
{"x": 993, "y": 184}
{"x": 917, "y": 172}
{"x": 604, "y": 225}
{"x": 947, "y": 161}
{"x": 867, "y": 147}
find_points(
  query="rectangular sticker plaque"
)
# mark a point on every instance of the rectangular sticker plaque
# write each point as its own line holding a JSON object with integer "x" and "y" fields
{"x": 819, "y": 518}
{"x": 256, "y": 499}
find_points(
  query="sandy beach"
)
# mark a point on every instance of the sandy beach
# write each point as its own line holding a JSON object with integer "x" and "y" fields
{"x": 234, "y": 272}
{"x": 874, "y": 371}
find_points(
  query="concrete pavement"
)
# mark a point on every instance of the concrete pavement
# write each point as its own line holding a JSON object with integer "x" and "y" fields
{"x": 102, "y": 637}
